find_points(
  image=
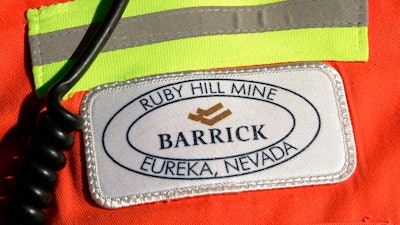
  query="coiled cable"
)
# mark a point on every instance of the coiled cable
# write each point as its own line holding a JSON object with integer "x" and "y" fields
{"x": 34, "y": 187}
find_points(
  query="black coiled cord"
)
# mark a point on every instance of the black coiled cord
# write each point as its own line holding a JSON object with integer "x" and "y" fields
{"x": 34, "y": 187}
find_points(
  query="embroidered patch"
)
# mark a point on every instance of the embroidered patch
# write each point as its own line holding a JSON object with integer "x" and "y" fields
{"x": 188, "y": 134}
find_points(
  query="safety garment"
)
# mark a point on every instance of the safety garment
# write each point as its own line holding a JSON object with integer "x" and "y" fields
{"x": 179, "y": 36}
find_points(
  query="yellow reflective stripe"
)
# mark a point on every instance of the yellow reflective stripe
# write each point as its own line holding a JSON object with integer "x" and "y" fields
{"x": 340, "y": 42}
{"x": 201, "y": 21}
{"x": 219, "y": 51}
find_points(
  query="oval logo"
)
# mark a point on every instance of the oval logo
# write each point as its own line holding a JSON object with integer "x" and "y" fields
{"x": 214, "y": 128}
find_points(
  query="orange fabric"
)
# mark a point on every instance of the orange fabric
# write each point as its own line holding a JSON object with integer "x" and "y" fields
{"x": 370, "y": 196}
{"x": 19, "y": 104}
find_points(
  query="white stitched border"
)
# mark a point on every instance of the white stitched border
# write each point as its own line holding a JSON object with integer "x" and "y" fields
{"x": 116, "y": 202}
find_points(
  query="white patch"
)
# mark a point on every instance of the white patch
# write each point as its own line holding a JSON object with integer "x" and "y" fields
{"x": 188, "y": 134}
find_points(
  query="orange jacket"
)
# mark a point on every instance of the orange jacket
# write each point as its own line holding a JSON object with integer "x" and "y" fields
{"x": 370, "y": 196}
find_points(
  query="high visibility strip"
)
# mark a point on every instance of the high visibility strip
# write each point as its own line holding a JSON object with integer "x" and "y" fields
{"x": 246, "y": 37}
{"x": 337, "y": 44}
{"x": 82, "y": 12}
{"x": 202, "y": 21}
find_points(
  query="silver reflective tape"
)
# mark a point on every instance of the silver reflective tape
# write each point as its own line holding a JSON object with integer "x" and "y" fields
{"x": 203, "y": 21}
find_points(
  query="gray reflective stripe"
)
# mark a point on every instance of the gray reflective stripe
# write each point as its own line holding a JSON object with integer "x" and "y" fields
{"x": 202, "y": 21}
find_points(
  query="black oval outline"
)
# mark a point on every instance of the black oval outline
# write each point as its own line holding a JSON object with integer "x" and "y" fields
{"x": 218, "y": 158}
{"x": 203, "y": 178}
